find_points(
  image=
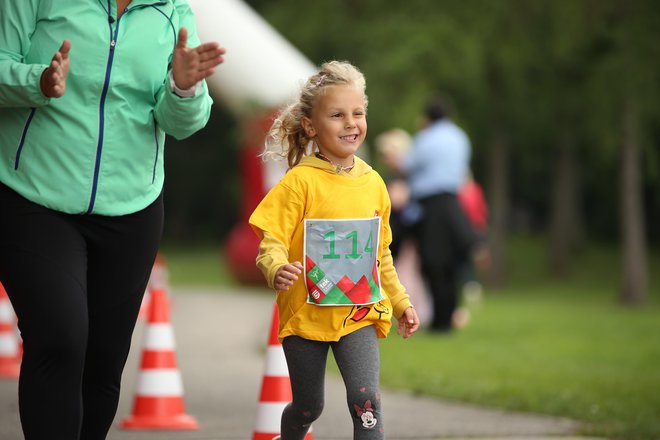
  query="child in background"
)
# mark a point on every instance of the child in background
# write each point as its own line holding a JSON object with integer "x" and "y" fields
{"x": 472, "y": 200}
{"x": 325, "y": 236}
{"x": 396, "y": 141}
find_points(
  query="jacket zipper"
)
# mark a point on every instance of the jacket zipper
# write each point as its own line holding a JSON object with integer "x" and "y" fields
{"x": 23, "y": 136}
{"x": 104, "y": 93}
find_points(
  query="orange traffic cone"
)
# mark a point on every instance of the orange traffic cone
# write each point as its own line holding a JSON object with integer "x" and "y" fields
{"x": 10, "y": 353}
{"x": 275, "y": 388}
{"x": 158, "y": 279}
{"x": 159, "y": 398}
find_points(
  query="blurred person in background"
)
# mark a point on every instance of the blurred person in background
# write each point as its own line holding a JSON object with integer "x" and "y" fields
{"x": 436, "y": 168}
{"x": 88, "y": 91}
{"x": 396, "y": 142}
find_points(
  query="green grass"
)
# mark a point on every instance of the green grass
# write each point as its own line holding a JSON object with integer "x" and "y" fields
{"x": 196, "y": 265}
{"x": 559, "y": 348}
{"x": 543, "y": 351}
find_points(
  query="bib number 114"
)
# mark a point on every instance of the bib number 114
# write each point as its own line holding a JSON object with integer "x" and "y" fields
{"x": 353, "y": 237}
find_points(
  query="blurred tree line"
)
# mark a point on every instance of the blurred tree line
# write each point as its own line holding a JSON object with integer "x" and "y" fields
{"x": 560, "y": 99}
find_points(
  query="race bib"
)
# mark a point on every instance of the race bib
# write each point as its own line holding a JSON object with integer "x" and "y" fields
{"x": 341, "y": 266}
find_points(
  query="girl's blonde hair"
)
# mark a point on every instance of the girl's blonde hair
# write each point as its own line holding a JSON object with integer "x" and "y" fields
{"x": 287, "y": 137}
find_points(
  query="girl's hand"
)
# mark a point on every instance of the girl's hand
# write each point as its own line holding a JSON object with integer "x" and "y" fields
{"x": 53, "y": 79}
{"x": 286, "y": 275}
{"x": 408, "y": 323}
{"x": 191, "y": 65}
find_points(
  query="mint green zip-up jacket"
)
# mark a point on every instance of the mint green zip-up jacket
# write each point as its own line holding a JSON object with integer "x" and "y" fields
{"x": 99, "y": 148}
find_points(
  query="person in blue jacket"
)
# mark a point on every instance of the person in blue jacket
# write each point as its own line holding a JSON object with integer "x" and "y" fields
{"x": 436, "y": 167}
{"x": 88, "y": 91}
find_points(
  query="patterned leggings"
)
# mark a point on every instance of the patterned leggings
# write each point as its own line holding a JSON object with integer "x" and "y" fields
{"x": 358, "y": 360}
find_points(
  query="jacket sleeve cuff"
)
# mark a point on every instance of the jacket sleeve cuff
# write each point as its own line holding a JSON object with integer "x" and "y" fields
{"x": 37, "y": 96}
{"x": 182, "y": 93}
{"x": 401, "y": 307}
{"x": 180, "y": 117}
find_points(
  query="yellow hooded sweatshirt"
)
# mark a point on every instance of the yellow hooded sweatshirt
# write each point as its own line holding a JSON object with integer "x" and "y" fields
{"x": 315, "y": 190}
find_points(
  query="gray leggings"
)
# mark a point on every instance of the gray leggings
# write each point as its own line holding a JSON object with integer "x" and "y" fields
{"x": 358, "y": 360}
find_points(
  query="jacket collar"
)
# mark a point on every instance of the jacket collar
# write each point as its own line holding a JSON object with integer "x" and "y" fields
{"x": 110, "y": 5}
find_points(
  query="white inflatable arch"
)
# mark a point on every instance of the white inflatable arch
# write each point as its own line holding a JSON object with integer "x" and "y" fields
{"x": 261, "y": 68}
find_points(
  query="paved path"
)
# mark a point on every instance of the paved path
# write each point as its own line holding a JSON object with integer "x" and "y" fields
{"x": 221, "y": 338}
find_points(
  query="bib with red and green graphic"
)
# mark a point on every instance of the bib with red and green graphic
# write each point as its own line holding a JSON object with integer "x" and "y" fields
{"x": 341, "y": 266}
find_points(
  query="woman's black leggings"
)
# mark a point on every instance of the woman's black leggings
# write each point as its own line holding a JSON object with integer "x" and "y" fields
{"x": 76, "y": 284}
{"x": 358, "y": 360}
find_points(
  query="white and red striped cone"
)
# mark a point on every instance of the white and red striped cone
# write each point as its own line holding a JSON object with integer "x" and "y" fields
{"x": 158, "y": 279}
{"x": 10, "y": 346}
{"x": 275, "y": 388}
{"x": 159, "y": 397}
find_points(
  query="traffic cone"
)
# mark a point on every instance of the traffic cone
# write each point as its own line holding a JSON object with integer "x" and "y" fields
{"x": 275, "y": 388}
{"x": 159, "y": 398}
{"x": 158, "y": 279}
{"x": 10, "y": 353}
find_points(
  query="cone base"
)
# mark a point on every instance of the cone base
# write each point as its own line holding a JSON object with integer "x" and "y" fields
{"x": 181, "y": 422}
{"x": 10, "y": 371}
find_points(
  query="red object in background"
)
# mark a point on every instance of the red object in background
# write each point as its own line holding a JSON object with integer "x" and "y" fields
{"x": 241, "y": 250}
{"x": 252, "y": 180}
{"x": 242, "y": 244}
{"x": 472, "y": 200}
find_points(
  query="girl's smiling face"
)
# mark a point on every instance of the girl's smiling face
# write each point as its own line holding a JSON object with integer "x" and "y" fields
{"x": 338, "y": 123}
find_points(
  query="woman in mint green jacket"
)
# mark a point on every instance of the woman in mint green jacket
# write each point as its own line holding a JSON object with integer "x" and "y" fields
{"x": 88, "y": 91}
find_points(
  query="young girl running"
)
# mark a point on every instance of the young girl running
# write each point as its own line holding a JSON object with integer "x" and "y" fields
{"x": 325, "y": 238}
